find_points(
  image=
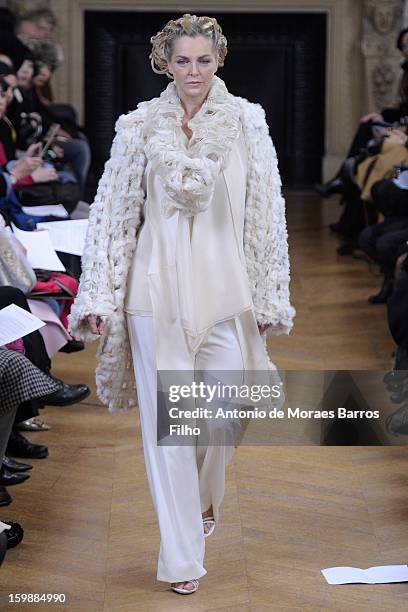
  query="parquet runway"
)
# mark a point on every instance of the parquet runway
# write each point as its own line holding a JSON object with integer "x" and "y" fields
{"x": 90, "y": 528}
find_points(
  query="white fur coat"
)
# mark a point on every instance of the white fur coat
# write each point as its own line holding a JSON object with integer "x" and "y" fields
{"x": 152, "y": 132}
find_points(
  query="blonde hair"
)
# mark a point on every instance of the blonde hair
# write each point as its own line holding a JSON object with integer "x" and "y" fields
{"x": 187, "y": 25}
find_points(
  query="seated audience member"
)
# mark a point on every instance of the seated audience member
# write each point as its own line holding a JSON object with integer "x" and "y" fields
{"x": 27, "y": 171}
{"x": 358, "y": 179}
{"x": 9, "y": 75}
{"x": 397, "y": 308}
{"x": 35, "y": 351}
{"x": 38, "y": 22}
{"x": 383, "y": 242}
{"x": 387, "y": 116}
{"x": 27, "y": 110}
{"x": 392, "y": 155}
{"x": 16, "y": 271}
{"x": 396, "y": 381}
{"x": 32, "y": 100}
{"x": 32, "y": 22}
{"x": 20, "y": 59}
{"x": 20, "y": 381}
{"x": 73, "y": 144}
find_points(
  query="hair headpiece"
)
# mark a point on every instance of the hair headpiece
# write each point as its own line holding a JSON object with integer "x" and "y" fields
{"x": 187, "y": 25}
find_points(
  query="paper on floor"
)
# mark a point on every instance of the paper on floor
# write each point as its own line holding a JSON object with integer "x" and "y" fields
{"x": 382, "y": 574}
{"x": 15, "y": 323}
{"x": 40, "y": 251}
{"x": 67, "y": 236}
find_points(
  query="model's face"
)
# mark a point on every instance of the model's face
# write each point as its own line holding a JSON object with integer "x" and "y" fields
{"x": 25, "y": 73}
{"x": 193, "y": 65}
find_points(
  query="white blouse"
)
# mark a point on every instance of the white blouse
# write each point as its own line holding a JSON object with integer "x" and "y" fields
{"x": 189, "y": 273}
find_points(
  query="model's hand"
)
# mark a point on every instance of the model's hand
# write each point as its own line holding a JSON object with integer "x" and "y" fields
{"x": 262, "y": 328}
{"x": 96, "y": 324}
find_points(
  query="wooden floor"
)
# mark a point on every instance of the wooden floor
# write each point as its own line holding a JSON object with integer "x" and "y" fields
{"x": 288, "y": 511}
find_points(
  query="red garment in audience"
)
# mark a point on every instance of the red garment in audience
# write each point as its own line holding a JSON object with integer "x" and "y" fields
{"x": 50, "y": 286}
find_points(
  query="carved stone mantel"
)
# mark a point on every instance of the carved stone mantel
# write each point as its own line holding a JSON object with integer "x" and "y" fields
{"x": 345, "y": 91}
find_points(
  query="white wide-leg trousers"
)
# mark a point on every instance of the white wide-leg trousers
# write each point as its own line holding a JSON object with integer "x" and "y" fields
{"x": 184, "y": 480}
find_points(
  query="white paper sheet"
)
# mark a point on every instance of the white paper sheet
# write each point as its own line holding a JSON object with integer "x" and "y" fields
{"x": 67, "y": 236}
{"x": 15, "y": 322}
{"x": 4, "y": 526}
{"x": 56, "y": 210}
{"x": 40, "y": 251}
{"x": 382, "y": 574}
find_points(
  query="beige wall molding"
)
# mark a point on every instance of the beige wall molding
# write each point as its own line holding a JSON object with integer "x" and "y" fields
{"x": 345, "y": 93}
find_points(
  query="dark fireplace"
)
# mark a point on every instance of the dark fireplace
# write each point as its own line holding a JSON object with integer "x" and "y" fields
{"x": 276, "y": 59}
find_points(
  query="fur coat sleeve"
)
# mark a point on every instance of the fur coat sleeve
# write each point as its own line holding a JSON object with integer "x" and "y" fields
{"x": 265, "y": 231}
{"x": 113, "y": 221}
{"x": 111, "y": 239}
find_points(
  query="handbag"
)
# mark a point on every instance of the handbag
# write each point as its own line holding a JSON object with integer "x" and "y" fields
{"x": 59, "y": 286}
{"x": 56, "y": 285}
{"x": 15, "y": 269}
{"x": 53, "y": 192}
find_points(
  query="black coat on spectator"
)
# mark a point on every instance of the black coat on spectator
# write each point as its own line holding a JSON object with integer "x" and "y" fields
{"x": 389, "y": 199}
{"x": 397, "y": 307}
{"x": 395, "y": 114}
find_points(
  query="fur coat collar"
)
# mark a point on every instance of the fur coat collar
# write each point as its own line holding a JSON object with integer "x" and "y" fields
{"x": 189, "y": 169}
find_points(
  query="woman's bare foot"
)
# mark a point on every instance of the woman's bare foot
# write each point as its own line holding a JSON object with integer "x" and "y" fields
{"x": 185, "y": 587}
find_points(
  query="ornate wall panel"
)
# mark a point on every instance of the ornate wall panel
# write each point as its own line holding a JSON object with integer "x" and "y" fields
{"x": 382, "y": 20}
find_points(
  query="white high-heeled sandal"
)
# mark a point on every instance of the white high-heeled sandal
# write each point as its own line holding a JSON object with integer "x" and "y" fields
{"x": 182, "y": 591}
{"x": 209, "y": 520}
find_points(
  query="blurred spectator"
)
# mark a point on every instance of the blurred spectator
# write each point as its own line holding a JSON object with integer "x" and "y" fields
{"x": 32, "y": 111}
{"x": 34, "y": 23}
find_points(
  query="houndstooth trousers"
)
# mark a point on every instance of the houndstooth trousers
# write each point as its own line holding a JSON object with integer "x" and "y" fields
{"x": 20, "y": 380}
